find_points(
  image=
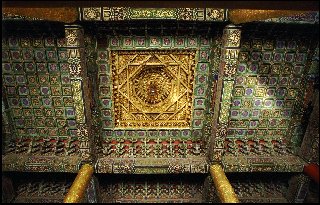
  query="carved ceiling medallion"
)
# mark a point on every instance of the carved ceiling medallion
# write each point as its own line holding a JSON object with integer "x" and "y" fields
{"x": 153, "y": 89}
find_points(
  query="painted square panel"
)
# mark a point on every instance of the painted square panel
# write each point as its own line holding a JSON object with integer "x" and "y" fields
{"x": 198, "y": 114}
{"x": 49, "y": 112}
{"x": 264, "y": 69}
{"x": 38, "y": 112}
{"x": 47, "y": 102}
{"x": 25, "y": 102}
{"x": 140, "y": 41}
{"x": 253, "y": 68}
{"x": 155, "y": 41}
{"x": 5, "y": 56}
{"x": 56, "y": 90}
{"x": 61, "y": 123}
{"x": 26, "y": 42}
{"x": 65, "y": 78}
{"x": 70, "y": 112}
{"x": 204, "y": 41}
{"x": 51, "y": 55}
{"x": 102, "y": 55}
{"x": 236, "y": 103}
{"x": 14, "y": 42}
{"x": 203, "y": 67}
{"x": 40, "y": 55}
{"x": 6, "y": 68}
{"x": 64, "y": 67}
{"x": 114, "y": 42}
{"x": 280, "y": 45}
{"x": 301, "y": 58}
{"x": 66, "y": 90}
{"x": 180, "y": 42}
{"x": 166, "y": 41}
{"x": 42, "y": 67}
{"x": 192, "y": 42}
{"x": 61, "y": 42}
{"x": 16, "y": 55}
{"x": 68, "y": 101}
{"x": 127, "y": 42}
{"x": 36, "y": 102}
{"x": 49, "y": 42}
{"x": 18, "y": 67}
{"x": 55, "y": 79}
{"x": 204, "y": 55}
{"x": 267, "y": 57}
{"x": 32, "y": 79}
{"x": 11, "y": 90}
{"x": 27, "y": 54}
{"x": 21, "y": 79}
{"x": 59, "y": 111}
{"x": 57, "y": 101}
{"x": 255, "y": 56}
{"x": 62, "y": 55}
{"x": 289, "y": 57}
{"x": 23, "y": 90}
{"x": 27, "y": 112}
{"x": 105, "y": 91}
{"x": 9, "y": 79}
{"x": 278, "y": 57}
{"x": 242, "y": 68}
{"x": 38, "y": 42}
{"x": 103, "y": 68}
{"x": 30, "y": 67}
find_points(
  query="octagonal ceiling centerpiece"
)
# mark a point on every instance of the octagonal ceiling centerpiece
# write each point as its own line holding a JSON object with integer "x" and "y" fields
{"x": 153, "y": 89}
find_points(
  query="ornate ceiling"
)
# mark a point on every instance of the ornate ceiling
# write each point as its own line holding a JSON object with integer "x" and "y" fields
{"x": 200, "y": 94}
{"x": 153, "y": 89}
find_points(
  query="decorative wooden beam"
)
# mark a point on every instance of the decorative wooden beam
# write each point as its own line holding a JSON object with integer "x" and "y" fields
{"x": 237, "y": 16}
{"x": 222, "y": 185}
{"x": 80, "y": 184}
{"x": 66, "y": 15}
{"x": 274, "y": 5}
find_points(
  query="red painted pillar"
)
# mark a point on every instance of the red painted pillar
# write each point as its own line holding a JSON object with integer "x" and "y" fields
{"x": 312, "y": 170}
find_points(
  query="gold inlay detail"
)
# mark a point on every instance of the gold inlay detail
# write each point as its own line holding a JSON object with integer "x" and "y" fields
{"x": 153, "y": 89}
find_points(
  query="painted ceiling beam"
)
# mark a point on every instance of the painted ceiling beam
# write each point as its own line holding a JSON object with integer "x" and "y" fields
{"x": 264, "y": 5}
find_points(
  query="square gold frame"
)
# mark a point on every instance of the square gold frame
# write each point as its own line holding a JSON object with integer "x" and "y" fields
{"x": 153, "y": 89}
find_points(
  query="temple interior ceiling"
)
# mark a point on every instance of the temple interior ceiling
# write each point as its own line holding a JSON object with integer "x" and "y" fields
{"x": 160, "y": 91}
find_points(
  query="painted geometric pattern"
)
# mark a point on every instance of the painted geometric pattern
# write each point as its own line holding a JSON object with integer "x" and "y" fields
{"x": 153, "y": 88}
{"x": 164, "y": 43}
{"x": 37, "y": 90}
{"x": 126, "y": 13}
{"x": 269, "y": 81}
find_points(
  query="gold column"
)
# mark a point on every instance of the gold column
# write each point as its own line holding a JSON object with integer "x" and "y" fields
{"x": 79, "y": 185}
{"x": 222, "y": 185}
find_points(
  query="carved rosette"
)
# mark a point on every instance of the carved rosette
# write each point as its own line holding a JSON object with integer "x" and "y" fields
{"x": 92, "y": 13}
